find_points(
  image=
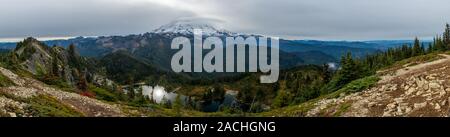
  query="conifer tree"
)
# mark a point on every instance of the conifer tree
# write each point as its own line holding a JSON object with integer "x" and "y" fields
{"x": 177, "y": 105}
{"x": 446, "y": 36}
{"x": 72, "y": 50}
{"x": 430, "y": 48}
{"x": 440, "y": 44}
{"x": 416, "y": 48}
{"x": 131, "y": 94}
{"x": 55, "y": 70}
{"x": 326, "y": 73}
{"x": 74, "y": 57}
{"x": 14, "y": 59}
{"x": 82, "y": 82}
{"x": 349, "y": 69}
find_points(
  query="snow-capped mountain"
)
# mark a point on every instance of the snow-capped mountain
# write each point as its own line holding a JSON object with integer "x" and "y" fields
{"x": 187, "y": 27}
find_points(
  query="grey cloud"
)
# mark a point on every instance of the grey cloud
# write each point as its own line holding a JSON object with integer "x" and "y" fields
{"x": 82, "y": 17}
{"x": 348, "y": 19}
{"x": 297, "y": 19}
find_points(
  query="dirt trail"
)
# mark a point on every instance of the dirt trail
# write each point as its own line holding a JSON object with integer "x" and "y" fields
{"x": 412, "y": 69}
{"x": 420, "y": 90}
{"x": 27, "y": 87}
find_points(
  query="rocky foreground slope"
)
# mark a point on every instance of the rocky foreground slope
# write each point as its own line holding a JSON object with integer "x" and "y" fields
{"x": 18, "y": 100}
{"x": 28, "y": 97}
{"x": 419, "y": 91}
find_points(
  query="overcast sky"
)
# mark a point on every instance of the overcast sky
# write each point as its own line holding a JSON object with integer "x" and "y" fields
{"x": 294, "y": 19}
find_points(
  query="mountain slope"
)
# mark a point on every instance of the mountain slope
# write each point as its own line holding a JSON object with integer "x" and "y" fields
{"x": 56, "y": 64}
{"x": 123, "y": 68}
{"x": 415, "y": 87}
{"x": 315, "y": 57}
{"x": 23, "y": 95}
{"x": 335, "y": 51}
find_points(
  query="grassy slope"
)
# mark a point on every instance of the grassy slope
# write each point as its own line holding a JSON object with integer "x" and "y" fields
{"x": 300, "y": 110}
{"x": 412, "y": 61}
{"x": 159, "y": 111}
{"x": 5, "y": 81}
{"x": 354, "y": 86}
{"x": 41, "y": 106}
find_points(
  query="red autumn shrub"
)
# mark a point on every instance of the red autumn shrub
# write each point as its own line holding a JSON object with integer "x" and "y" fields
{"x": 88, "y": 94}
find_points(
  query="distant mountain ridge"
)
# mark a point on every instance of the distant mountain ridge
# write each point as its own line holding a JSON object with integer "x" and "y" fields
{"x": 154, "y": 47}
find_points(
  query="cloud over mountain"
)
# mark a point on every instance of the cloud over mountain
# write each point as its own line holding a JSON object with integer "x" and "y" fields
{"x": 311, "y": 19}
